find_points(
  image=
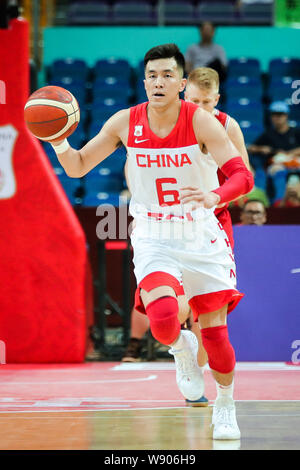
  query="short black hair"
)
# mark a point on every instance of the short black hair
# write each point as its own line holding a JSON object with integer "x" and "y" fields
{"x": 253, "y": 200}
{"x": 207, "y": 22}
{"x": 165, "y": 51}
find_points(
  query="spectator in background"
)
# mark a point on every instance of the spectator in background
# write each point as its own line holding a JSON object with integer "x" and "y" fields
{"x": 278, "y": 146}
{"x": 292, "y": 193}
{"x": 253, "y": 213}
{"x": 206, "y": 53}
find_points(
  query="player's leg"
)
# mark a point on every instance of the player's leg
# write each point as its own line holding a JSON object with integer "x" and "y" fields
{"x": 211, "y": 288}
{"x": 140, "y": 324}
{"x": 161, "y": 306}
{"x": 138, "y": 327}
{"x": 186, "y": 317}
{"x": 221, "y": 359}
{"x": 158, "y": 277}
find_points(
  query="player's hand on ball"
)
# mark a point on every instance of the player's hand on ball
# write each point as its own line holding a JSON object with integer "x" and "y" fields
{"x": 197, "y": 198}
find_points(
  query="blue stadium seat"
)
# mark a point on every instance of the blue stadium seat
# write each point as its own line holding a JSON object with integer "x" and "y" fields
{"x": 110, "y": 100}
{"x": 100, "y": 113}
{"x": 279, "y": 180}
{"x": 74, "y": 86}
{"x": 260, "y": 179}
{"x": 244, "y": 66}
{"x": 70, "y": 185}
{"x": 94, "y": 128}
{"x": 179, "y": 12}
{"x": 140, "y": 92}
{"x": 286, "y": 66}
{"x": 68, "y": 80}
{"x": 282, "y": 80}
{"x": 112, "y": 67}
{"x": 100, "y": 182}
{"x": 116, "y": 93}
{"x": 257, "y": 12}
{"x": 295, "y": 112}
{"x": 112, "y": 165}
{"x": 250, "y": 131}
{"x": 112, "y": 86}
{"x": 216, "y": 12}
{"x": 77, "y": 139}
{"x": 117, "y": 96}
{"x": 279, "y": 91}
{"x": 94, "y": 200}
{"x": 69, "y": 67}
{"x": 243, "y": 87}
{"x": 134, "y": 12}
{"x": 140, "y": 70}
{"x": 246, "y": 110}
{"x": 89, "y": 13}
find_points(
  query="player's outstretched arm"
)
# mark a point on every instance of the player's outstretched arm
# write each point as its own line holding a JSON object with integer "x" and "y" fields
{"x": 78, "y": 163}
{"x": 236, "y": 136}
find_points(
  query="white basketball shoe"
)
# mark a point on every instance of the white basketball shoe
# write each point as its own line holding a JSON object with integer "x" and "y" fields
{"x": 224, "y": 419}
{"x": 189, "y": 376}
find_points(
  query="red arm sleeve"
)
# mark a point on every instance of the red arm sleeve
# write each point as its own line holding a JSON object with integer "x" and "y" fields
{"x": 240, "y": 180}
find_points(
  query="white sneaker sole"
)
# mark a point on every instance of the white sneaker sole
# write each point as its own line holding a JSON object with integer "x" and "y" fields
{"x": 228, "y": 434}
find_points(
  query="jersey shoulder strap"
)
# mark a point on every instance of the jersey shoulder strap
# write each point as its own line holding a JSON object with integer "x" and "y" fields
{"x": 223, "y": 118}
{"x": 137, "y": 122}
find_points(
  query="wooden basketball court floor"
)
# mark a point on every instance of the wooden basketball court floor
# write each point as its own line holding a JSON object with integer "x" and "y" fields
{"x": 115, "y": 406}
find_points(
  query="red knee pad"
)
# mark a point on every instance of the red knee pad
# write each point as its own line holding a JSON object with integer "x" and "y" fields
{"x": 221, "y": 356}
{"x": 163, "y": 317}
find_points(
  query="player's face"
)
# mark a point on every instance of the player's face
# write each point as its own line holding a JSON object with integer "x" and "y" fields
{"x": 163, "y": 81}
{"x": 206, "y": 99}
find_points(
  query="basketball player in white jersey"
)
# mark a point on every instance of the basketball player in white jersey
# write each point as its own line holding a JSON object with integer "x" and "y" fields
{"x": 177, "y": 237}
{"x": 202, "y": 88}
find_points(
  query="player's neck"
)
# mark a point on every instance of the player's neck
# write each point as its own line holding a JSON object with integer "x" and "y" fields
{"x": 163, "y": 117}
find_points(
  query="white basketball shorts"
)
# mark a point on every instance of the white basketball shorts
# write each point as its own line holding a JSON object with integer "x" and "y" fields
{"x": 196, "y": 254}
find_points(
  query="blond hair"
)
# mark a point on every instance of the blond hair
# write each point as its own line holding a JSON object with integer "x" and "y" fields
{"x": 204, "y": 77}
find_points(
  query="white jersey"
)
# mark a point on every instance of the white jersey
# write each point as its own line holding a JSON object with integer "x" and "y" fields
{"x": 159, "y": 167}
{"x": 194, "y": 255}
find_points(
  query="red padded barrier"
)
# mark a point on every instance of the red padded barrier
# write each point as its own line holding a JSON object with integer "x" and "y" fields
{"x": 45, "y": 280}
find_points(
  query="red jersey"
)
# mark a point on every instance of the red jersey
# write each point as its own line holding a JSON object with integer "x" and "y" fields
{"x": 222, "y": 213}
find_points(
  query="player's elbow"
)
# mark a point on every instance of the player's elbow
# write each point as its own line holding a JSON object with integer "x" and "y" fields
{"x": 73, "y": 174}
{"x": 75, "y": 167}
{"x": 249, "y": 181}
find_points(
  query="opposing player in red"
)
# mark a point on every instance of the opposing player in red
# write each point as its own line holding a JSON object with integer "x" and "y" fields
{"x": 202, "y": 88}
{"x": 177, "y": 237}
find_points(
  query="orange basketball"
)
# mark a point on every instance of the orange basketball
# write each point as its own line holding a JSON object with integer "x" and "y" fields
{"x": 52, "y": 113}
